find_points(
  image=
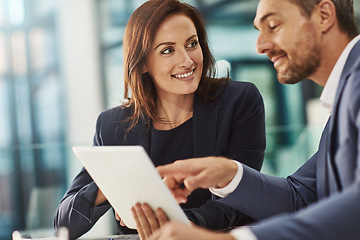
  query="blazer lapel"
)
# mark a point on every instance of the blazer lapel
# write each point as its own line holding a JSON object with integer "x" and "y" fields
{"x": 204, "y": 127}
{"x": 322, "y": 163}
{"x": 331, "y": 140}
{"x": 139, "y": 135}
{"x": 332, "y": 170}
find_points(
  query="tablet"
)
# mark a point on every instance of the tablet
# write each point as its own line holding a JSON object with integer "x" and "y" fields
{"x": 126, "y": 176}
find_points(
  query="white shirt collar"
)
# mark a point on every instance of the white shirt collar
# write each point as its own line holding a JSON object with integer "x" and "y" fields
{"x": 328, "y": 94}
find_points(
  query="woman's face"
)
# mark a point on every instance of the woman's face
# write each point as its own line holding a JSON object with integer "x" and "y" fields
{"x": 175, "y": 59}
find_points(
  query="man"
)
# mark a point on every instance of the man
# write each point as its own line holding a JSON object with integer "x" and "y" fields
{"x": 315, "y": 39}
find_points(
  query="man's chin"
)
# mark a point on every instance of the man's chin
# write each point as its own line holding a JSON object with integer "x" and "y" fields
{"x": 288, "y": 78}
{"x": 282, "y": 79}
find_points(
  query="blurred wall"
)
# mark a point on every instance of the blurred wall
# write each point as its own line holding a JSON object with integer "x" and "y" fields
{"x": 81, "y": 69}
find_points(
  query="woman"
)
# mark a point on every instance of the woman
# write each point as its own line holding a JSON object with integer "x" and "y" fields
{"x": 177, "y": 109}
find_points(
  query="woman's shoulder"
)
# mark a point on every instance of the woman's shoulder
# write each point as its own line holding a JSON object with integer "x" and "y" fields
{"x": 240, "y": 89}
{"x": 241, "y": 97}
{"x": 111, "y": 126}
{"x": 118, "y": 113}
{"x": 233, "y": 85}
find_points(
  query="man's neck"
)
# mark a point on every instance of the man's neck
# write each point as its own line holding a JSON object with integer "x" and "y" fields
{"x": 332, "y": 48}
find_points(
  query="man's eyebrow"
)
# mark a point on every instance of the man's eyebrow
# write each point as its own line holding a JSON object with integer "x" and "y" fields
{"x": 173, "y": 43}
{"x": 263, "y": 18}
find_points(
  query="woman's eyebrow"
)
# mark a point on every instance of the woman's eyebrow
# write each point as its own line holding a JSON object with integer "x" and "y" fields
{"x": 165, "y": 43}
{"x": 173, "y": 43}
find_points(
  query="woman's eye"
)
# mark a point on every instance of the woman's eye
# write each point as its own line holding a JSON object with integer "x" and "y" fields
{"x": 192, "y": 44}
{"x": 167, "y": 51}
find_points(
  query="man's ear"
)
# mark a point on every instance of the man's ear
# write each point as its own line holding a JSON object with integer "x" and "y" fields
{"x": 327, "y": 15}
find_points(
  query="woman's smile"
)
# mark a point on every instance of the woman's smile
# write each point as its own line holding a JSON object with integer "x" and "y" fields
{"x": 185, "y": 76}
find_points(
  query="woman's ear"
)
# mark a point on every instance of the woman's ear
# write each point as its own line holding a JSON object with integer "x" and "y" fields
{"x": 144, "y": 69}
{"x": 327, "y": 13}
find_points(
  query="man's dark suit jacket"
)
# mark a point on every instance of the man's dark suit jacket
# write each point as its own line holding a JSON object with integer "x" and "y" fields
{"x": 325, "y": 190}
{"x": 233, "y": 126}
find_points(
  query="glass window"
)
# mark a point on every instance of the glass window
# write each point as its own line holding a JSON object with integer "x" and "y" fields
{"x": 31, "y": 105}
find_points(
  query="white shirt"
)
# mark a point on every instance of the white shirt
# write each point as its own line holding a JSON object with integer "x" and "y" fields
{"x": 327, "y": 99}
{"x": 328, "y": 94}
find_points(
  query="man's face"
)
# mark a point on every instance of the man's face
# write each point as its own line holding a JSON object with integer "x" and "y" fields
{"x": 289, "y": 39}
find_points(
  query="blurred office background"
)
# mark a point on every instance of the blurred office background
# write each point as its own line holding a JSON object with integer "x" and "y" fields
{"x": 61, "y": 64}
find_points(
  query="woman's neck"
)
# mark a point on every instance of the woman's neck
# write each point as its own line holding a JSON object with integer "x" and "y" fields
{"x": 174, "y": 111}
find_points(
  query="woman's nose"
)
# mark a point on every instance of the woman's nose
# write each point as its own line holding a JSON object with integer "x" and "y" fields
{"x": 185, "y": 60}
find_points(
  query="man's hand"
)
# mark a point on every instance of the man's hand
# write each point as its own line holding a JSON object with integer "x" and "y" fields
{"x": 177, "y": 188}
{"x": 197, "y": 173}
{"x": 178, "y": 231}
{"x": 148, "y": 221}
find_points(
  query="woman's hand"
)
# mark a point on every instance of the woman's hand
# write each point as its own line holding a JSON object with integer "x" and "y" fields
{"x": 148, "y": 221}
{"x": 117, "y": 217}
{"x": 100, "y": 198}
{"x": 177, "y": 231}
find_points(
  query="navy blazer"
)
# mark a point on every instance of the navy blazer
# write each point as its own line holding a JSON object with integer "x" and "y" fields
{"x": 233, "y": 126}
{"x": 326, "y": 189}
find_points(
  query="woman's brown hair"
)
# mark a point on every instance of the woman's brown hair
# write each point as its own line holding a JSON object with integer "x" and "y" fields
{"x": 139, "y": 34}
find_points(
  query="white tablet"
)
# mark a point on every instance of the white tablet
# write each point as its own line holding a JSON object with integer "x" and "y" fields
{"x": 126, "y": 176}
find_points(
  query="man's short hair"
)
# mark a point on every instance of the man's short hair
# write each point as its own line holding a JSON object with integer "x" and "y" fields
{"x": 344, "y": 13}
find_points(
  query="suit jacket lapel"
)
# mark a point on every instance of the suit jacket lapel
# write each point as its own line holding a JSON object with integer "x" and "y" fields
{"x": 139, "y": 135}
{"x": 348, "y": 69}
{"x": 322, "y": 164}
{"x": 205, "y": 118}
{"x": 331, "y": 140}
{"x": 333, "y": 179}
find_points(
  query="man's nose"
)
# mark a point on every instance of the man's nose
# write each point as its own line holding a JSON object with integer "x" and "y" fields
{"x": 263, "y": 44}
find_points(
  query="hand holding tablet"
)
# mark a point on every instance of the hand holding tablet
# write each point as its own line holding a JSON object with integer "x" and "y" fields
{"x": 126, "y": 176}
